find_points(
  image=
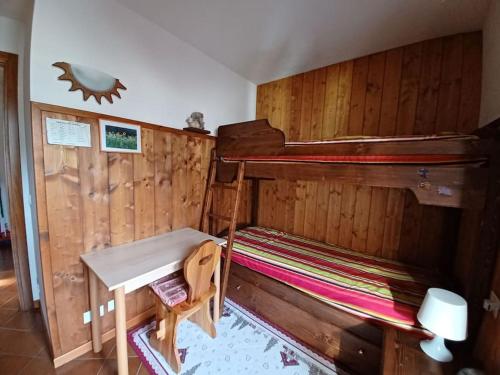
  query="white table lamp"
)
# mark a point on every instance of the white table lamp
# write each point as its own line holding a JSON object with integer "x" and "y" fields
{"x": 445, "y": 314}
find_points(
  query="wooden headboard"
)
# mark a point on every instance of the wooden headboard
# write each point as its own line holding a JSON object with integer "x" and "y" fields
{"x": 256, "y": 137}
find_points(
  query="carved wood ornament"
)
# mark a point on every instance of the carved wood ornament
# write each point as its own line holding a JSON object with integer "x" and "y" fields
{"x": 76, "y": 84}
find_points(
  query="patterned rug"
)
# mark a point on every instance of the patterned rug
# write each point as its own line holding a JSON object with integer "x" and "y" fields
{"x": 245, "y": 344}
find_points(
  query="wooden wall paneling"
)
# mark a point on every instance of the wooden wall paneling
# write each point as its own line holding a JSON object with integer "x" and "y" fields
{"x": 392, "y": 223}
{"x": 408, "y": 96}
{"x": 144, "y": 187}
{"x": 321, "y": 211}
{"x": 318, "y": 103}
{"x": 163, "y": 181}
{"x": 449, "y": 93}
{"x": 39, "y": 139}
{"x": 179, "y": 182}
{"x": 410, "y": 230}
{"x": 286, "y": 104}
{"x": 300, "y": 208}
{"x": 311, "y": 199}
{"x": 361, "y": 218}
{"x": 64, "y": 215}
{"x": 344, "y": 98}
{"x": 88, "y": 199}
{"x": 358, "y": 95}
{"x": 330, "y": 126}
{"x": 93, "y": 174}
{"x": 306, "y": 108}
{"x": 375, "y": 81}
{"x": 470, "y": 95}
{"x": 121, "y": 208}
{"x": 144, "y": 192}
{"x": 334, "y": 212}
{"x": 430, "y": 79}
{"x": 295, "y": 108}
{"x": 376, "y": 221}
{"x": 390, "y": 92}
{"x": 400, "y": 91}
{"x": 195, "y": 193}
{"x": 347, "y": 215}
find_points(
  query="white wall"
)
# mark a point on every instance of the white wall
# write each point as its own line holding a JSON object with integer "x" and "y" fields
{"x": 490, "y": 96}
{"x": 166, "y": 79}
{"x": 14, "y": 38}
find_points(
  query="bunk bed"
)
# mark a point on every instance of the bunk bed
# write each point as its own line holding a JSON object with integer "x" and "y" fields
{"x": 335, "y": 299}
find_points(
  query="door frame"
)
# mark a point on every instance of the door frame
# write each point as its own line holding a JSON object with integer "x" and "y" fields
{"x": 11, "y": 149}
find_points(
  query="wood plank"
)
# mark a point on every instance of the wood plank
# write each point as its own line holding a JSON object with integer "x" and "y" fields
{"x": 347, "y": 215}
{"x": 374, "y": 86}
{"x": 144, "y": 221}
{"x": 286, "y": 108}
{"x": 93, "y": 174}
{"x": 408, "y": 96}
{"x": 310, "y": 208}
{"x": 62, "y": 180}
{"x": 393, "y": 220}
{"x": 334, "y": 212}
{"x": 358, "y": 95}
{"x": 300, "y": 208}
{"x": 321, "y": 217}
{"x": 318, "y": 103}
{"x": 276, "y": 104}
{"x": 121, "y": 197}
{"x": 163, "y": 182}
{"x": 361, "y": 218}
{"x": 376, "y": 222}
{"x": 390, "y": 92}
{"x": 295, "y": 108}
{"x": 144, "y": 187}
{"x": 451, "y": 81}
{"x": 179, "y": 182}
{"x": 430, "y": 79}
{"x": 470, "y": 95}
{"x": 330, "y": 125}
{"x": 410, "y": 230}
{"x": 344, "y": 98}
{"x": 194, "y": 180}
{"x": 306, "y": 109}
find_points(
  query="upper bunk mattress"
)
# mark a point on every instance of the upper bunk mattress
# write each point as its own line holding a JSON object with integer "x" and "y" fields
{"x": 367, "y": 286}
{"x": 419, "y": 149}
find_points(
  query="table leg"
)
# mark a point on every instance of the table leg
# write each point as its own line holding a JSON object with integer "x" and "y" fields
{"x": 121, "y": 331}
{"x": 217, "y": 293}
{"x": 94, "y": 308}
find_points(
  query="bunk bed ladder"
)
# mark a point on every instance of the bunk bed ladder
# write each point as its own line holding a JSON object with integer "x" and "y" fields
{"x": 231, "y": 218}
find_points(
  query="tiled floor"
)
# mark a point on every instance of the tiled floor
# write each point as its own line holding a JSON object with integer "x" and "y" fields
{"x": 23, "y": 349}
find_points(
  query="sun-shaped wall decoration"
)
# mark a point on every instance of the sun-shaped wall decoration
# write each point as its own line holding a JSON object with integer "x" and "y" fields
{"x": 90, "y": 81}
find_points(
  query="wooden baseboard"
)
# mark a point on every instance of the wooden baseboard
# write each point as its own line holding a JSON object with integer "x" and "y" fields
{"x": 87, "y": 347}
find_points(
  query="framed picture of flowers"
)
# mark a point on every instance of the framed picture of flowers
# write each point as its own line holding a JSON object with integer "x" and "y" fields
{"x": 120, "y": 137}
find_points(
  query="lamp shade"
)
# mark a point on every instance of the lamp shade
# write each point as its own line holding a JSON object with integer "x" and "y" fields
{"x": 444, "y": 313}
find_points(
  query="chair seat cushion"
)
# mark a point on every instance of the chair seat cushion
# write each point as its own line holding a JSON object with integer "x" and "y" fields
{"x": 172, "y": 289}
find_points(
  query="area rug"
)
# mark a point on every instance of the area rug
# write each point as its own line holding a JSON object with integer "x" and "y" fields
{"x": 245, "y": 344}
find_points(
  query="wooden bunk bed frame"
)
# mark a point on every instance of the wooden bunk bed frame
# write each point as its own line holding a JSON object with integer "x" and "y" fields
{"x": 472, "y": 185}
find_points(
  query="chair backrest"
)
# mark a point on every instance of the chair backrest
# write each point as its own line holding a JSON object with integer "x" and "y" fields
{"x": 199, "y": 268}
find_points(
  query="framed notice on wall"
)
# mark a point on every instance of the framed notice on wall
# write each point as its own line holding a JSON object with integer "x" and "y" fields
{"x": 68, "y": 133}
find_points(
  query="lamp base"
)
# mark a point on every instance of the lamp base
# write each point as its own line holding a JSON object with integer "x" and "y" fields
{"x": 436, "y": 349}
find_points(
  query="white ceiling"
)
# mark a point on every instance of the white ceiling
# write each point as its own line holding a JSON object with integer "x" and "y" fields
{"x": 263, "y": 40}
{"x": 16, "y": 9}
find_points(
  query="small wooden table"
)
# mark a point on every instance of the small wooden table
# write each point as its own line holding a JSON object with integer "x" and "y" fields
{"x": 128, "y": 267}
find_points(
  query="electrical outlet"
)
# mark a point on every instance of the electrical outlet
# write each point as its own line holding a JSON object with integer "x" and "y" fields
{"x": 101, "y": 310}
{"x": 111, "y": 305}
{"x": 87, "y": 317}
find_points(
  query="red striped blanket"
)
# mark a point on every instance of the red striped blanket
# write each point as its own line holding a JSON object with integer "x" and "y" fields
{"x": 368, "y": 286}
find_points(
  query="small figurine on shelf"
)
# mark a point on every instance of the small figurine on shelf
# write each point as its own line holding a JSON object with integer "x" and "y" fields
{"x": 196, "y": 123}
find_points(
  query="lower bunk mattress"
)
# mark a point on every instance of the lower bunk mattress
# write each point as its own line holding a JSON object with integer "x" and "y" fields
{"x": 370, "y": 287}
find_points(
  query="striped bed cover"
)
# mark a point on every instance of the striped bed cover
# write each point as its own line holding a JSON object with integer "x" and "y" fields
{"x": 367, "y": 286}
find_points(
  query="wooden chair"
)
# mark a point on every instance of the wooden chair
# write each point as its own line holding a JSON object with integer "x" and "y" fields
{"x": 198, "y": 270}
